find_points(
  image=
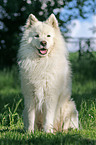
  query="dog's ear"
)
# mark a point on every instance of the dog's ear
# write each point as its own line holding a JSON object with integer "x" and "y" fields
{"x": 31, "y": 20}
{"x": 52, "y": 20}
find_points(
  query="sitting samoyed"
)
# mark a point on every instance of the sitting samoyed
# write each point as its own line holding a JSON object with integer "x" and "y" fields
{"x": 46, "y": 77}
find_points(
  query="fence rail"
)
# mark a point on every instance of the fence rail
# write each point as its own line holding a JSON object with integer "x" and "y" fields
{"x": 81, "y": 44}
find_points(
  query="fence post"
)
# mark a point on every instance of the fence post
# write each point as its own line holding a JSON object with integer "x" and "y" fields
{"x": 80, "y": 49}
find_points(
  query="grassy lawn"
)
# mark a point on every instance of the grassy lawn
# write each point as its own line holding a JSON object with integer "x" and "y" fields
{"x": 83, "y": 92}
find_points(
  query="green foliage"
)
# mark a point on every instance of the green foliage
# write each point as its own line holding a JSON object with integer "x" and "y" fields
{"x": 83, "y": 92}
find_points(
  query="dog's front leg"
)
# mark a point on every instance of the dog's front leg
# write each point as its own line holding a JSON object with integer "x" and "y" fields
{"x": 29, "y": 119}
{"x": 49, "y": 116}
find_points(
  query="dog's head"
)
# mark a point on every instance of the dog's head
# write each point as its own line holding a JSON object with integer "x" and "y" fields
{"x": 41, "y": 34}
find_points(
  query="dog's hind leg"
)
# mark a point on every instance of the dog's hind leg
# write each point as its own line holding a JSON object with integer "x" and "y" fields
{"x": 66, "y": 116}
{"x": 70, "y": 115}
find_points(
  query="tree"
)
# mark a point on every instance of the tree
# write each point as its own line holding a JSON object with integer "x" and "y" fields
{"x": 13, "y": 15}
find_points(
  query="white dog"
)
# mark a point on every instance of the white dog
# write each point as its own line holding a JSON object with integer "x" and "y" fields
{"x": 46, "y": 77}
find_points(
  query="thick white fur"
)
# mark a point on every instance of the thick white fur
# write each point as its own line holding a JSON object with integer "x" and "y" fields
{"x": 46, "y": 80}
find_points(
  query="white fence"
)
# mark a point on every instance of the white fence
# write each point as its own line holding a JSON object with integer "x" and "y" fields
{"x": 81, "y": 44}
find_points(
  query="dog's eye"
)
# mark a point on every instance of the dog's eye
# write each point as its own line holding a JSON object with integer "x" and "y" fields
{"x": 37, "y": 36}
{"x": 48, "y": 35}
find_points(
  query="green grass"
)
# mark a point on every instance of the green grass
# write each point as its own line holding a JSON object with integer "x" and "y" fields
{"x": 83, "y": 92}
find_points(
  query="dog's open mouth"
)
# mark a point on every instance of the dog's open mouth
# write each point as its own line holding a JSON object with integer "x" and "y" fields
{"x": 43, "y": 51}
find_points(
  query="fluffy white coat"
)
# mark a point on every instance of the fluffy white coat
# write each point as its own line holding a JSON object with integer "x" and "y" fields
{"x": 46, "y": 79}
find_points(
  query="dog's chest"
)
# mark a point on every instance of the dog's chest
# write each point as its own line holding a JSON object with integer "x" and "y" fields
{"x": 43, "y": 77}
{"x": 42, "y": 72}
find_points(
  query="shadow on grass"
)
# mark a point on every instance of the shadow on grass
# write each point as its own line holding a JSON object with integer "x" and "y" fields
{"x": 11, "y": 100}
{"x": 45, "y": 139}
{"x": 84, "y": 79}
{"x": 85, "y": 68}
{"x": 86, "y": 97}
{"x": 10, "y": 89}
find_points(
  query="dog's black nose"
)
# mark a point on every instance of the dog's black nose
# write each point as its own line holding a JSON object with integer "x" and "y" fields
{"x": 43, "y": 43}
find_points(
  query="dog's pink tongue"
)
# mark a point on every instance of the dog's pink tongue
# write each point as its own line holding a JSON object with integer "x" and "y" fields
{"x": 43, "y": 51}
